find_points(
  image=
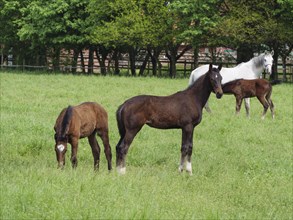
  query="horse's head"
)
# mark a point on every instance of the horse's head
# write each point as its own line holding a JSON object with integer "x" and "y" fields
{"x": 60, "y": 149}
{"x": 268, "y": 62}
{"x": 216, "y": 80}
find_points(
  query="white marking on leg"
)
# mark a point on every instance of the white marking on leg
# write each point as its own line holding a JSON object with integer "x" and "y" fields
{"x": 181, "y": 167}
{"x": 188, "y": 167}
{"x": 121, "y": 170}
{"x": 60, "y": 147}
{"x": 182, "y": 164}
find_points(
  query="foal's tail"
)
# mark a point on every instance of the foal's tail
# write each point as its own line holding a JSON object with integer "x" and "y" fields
{"x": 275, "y": 82}
{"x": 65, "y": 122}
{"x": 120, "y": 122}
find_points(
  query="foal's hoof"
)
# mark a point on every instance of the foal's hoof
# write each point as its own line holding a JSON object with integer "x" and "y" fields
{"x": 189, "y": 172}
{"x": 121, "y": 170}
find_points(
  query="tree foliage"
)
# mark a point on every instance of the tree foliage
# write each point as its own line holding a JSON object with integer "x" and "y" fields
{"x": 34, "y": 29}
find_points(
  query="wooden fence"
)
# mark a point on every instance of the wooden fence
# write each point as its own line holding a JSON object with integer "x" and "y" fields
{"x": 184, "y": 67}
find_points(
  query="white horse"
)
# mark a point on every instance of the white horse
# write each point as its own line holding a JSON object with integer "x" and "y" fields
{"x": 252, "y": 69}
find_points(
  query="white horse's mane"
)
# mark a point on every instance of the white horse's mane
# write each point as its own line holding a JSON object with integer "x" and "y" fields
{"x": 251, "y": 69}
{"x": 258, "y": 61}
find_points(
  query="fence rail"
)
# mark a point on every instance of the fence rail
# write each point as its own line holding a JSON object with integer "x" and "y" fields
{"x": 183, "y": 69}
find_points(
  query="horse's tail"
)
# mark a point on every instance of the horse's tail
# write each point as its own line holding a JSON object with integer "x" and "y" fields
{"x": 65, "y": 122}
{"x": 275, "y": 82}
{"x": 120, "y": 122}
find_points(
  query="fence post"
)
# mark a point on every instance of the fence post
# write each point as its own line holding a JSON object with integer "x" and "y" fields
{"x": 184, "y": 68}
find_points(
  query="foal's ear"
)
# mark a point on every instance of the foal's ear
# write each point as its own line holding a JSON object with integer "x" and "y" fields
{"x": 272, "y": 53}
{"x": 220, "y": 67}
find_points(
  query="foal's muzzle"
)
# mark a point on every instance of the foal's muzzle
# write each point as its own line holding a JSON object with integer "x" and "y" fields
{"x": 219, "y": 95}
{"x": 60, "y": 165}
{"x": 219, "y": 92}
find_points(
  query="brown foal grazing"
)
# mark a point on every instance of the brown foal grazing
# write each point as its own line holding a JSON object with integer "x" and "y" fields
{"x": 242, "y": 88}
{"x": 181, "y": 110}
{"x": 75, "y": 122}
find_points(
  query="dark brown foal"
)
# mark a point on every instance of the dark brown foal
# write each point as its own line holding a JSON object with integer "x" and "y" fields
{"x": 181, "y": 110}
{"x": 242, "y": 88}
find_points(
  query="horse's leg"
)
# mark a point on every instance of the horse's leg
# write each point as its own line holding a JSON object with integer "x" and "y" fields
{"x": 122, "y": 149}
{"x": 95, "y": 149}
{"x": 107, "y": 148}
{"x": 247, "y": 106}
{"x": 186, "y": 149}
{"x": 265, "y": 104}
{"x": 74, "y": 146}
{"x": 272, "y": 108}
{"x": 271, "y": 104}
{"x": 207, "y": 108}
{"x": 238, "y": 104}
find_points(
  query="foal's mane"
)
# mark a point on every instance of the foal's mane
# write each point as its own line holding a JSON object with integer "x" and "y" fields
{"x": 198, "y": 81}
{"x": 65, "y": 123}
{"x": 231, "y": 82}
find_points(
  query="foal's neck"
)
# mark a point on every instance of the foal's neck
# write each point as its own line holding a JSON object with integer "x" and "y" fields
{"x": 202, "y": 89}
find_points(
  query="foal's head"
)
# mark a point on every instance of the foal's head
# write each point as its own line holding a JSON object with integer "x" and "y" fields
{"x": 60, "y": 149}
{"x": 216, "y": 79}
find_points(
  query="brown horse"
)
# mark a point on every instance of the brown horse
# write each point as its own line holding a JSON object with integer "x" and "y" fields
{"x": 181, "y": 110}
{"x": 84, "y": 120}
{"x": 242, "y": 88}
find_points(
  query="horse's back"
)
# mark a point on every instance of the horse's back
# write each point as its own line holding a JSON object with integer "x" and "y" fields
{"x": 136, "y": 103}
{"x": 92, "y": 113}
{"x": 91, "y": 106}
{"x": 241, "y": 71}
{"x": 263, "y": 85}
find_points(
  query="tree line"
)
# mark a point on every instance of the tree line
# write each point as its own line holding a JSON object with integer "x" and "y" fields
{"x": 35, "y": 30}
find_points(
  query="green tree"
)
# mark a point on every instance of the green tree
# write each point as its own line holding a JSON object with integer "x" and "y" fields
{"x": 247, "y": 26}
{"x": 127, "y": 25}
{"x": 54, "y": 25}
{"x": 9, "y": 40}
{"x": 190, "y": 23}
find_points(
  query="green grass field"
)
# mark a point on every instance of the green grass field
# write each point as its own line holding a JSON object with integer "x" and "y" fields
{"x": 242, "y": 168}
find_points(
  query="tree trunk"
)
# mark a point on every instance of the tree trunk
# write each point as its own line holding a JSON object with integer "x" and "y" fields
{"x": 115, "y": 56}
{"x": 101, "y": 55}
{"x": 284, "y": 68}
{"x": 91, "y": 61}
{"x": 172, "y": 59}
{"x": 274, "y": 74}
{"x": 172, "y": 72}
{"x": 195, "y": 57}
{"x": 155, "y": 59}
{"x": 132, "y": 55}
{"x": 82, "y": 62}
{"x": 74, "y": 60}
{"x": 143, "y": 66}
{"x": 56, "y": 59}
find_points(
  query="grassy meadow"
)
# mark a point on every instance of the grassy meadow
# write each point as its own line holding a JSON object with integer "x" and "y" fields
{"x": 242, "y": 168}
